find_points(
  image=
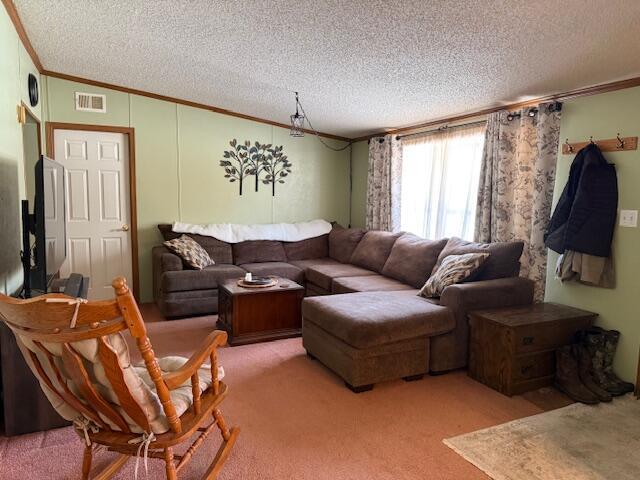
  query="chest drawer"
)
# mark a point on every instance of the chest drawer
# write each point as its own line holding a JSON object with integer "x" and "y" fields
{"x": 550, "y": 336}
{"x": 526, "y": 367}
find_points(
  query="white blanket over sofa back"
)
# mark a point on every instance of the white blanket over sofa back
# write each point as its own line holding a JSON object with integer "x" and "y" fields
{"x": 234, "y": 233}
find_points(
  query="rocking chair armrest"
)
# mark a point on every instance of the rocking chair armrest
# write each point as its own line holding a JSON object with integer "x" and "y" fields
{"x": 176, "y": 378}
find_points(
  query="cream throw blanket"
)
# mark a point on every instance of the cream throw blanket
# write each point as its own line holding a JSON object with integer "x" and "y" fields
{"x": 234, "y": 233}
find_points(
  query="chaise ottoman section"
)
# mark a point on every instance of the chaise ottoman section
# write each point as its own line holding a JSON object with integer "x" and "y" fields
{"x": 370, "y": 337}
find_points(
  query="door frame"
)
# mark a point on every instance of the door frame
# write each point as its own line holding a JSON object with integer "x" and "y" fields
{"x": 51, "y": 127}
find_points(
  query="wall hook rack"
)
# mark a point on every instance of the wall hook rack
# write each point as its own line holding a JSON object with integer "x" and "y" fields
{"x": 567, "y": 146}
{"x": 607, "y": 145}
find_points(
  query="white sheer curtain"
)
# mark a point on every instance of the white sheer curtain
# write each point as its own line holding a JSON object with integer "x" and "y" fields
{"x": 440, "y": 174}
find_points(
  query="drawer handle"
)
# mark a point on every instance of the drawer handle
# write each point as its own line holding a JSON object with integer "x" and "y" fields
{"x": 527, "y": 340}
{"x": 526, "y": 369}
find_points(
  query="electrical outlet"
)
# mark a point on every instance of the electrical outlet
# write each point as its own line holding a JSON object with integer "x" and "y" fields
{"x": 629, "y": 218}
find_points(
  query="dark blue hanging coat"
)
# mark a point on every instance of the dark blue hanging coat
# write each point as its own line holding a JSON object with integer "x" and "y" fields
{"x": 585, "y": 215}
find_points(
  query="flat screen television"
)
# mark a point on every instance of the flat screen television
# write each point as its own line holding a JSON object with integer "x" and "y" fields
{"x": 44, "y": 232}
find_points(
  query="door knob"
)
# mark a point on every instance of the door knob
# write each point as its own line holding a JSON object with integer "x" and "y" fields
{"x": 125, "y": 228}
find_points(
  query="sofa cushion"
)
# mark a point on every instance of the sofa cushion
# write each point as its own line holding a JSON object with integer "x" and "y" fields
{"x": 316, "y": 247}
{"x": 374, "y": 249}
{"x": 219, "y": 251}
{"x": 312, "y": 262}
{"x": 256, "y": 251}
{"x": 204, "y": 279}
{"x": 280, "y": 269}
{"x": 368, "y": 283}
{"x": 323, "y": 275}
{"x": 369, "y": 319}
{"x": 504, "y": 261}
{"x": 412, "y": 259}
{"x": 343, "y": 241}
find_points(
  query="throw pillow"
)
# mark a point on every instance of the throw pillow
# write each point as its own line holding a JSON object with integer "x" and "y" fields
{"x": 503, "y": 263}
{"x": 453, "y": 269}
{"x": 190, "y": 252}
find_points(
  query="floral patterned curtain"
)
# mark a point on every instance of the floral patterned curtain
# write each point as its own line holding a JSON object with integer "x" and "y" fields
{"x": 384, "y": 177}
{"x": 516, "y": 185}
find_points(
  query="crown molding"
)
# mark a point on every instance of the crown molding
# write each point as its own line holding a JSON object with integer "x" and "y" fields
{"x": 22, "y": 33}
{"x": 576, "y": 93}
{"x": 180, "y": 101}
{"x": 24, "y": 38}
{"x": 558, "y": 97}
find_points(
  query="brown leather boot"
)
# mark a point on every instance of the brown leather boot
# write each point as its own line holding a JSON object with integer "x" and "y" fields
{"x": 584, "y": 371}
{"x": 568, "y": 379}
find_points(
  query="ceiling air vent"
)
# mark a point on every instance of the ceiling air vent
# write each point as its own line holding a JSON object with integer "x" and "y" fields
{"x": 91, "y": 102}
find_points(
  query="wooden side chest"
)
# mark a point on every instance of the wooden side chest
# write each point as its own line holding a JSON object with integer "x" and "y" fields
{"x": 512, "y": 350}
{"x": 261, "y": 314}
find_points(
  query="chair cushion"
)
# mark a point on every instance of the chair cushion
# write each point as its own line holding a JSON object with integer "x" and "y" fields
{"x": 374, "y": 249}
{"x": 143, "y": 396}
{"x": 219, "y": 251}
{"x": 256, "y": 251}
{"x": 504, "y": 261}
{"x": 323, "y": 275}
{"x": 204, "y": 279}
{"x": 190, "y": 251}
{"x": 343, "y": 241}
{"x": 281, "y": 269}
{"x": 369, "y": 319}
{"x": 182, "y": 397}
{"x": 412, "y": 259}
{"x": 368, "y": 283}
{"x": 317, "y": 247}
{"x": 453, "y": 269}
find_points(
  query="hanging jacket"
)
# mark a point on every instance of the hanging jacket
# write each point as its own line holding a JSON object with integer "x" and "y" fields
{"x": 585, "y": 216}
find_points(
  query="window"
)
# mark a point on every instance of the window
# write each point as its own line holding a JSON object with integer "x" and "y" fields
{"x": 440, "y": 174}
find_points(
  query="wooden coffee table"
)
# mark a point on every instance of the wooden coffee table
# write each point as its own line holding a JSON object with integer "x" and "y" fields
{"x": 251, "y": 315}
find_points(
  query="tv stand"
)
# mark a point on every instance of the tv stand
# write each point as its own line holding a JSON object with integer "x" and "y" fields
{"x": 25, "y": 407}
{"x": 75, "y": 286}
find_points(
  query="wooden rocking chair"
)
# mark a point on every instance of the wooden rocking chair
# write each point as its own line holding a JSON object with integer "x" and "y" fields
{"x": 78, "y": 353}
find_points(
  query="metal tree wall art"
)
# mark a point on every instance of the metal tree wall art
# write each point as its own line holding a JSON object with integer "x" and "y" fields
{"x": 257, "y": 156}
{"x": 265, "y": 162}
{"x": 276, "y": 167}
{"x": 235, "y": 162}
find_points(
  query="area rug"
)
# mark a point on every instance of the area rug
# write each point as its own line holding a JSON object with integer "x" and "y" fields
{"x": 578, "y": 442}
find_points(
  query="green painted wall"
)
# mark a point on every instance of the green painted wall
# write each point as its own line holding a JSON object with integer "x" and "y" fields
{"x": 602, "y": 116}
{"x": 359, "y": 166}
{"x": 177, "y": 171}
{"x": 15, "y": 65}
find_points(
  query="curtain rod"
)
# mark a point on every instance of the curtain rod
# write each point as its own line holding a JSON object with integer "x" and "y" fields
{"x": 532, "y": 111}
{"x": 441, "y": 129}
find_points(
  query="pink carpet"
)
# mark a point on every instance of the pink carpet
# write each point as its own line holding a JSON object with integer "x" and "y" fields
{"x": 299, "y": 422}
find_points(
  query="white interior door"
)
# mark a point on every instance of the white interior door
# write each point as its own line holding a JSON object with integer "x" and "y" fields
{"x": 97, "y": 195}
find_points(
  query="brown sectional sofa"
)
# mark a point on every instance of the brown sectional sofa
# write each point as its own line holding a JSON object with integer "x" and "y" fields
{"x": 375, "y": 270}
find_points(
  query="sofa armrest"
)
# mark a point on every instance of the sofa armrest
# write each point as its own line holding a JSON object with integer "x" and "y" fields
{"x": 166, "y": 261}
{"x": 163, "y": 261}
{"x": 501, "y": 292}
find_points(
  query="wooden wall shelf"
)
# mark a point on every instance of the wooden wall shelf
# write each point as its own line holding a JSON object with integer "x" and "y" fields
{"x": 618, "y": 144}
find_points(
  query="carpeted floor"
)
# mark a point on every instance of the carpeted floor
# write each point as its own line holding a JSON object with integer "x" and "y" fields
{"x": 586, "y": 442}
{"x": 299, "y": 422}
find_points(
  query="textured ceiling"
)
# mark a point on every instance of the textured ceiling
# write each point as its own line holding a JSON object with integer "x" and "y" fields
{"x": 360, "y": 66}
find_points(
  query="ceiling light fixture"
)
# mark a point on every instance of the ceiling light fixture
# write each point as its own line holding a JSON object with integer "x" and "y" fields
{"x": 297, "y": 121}
{"x": 297, "y": 126}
